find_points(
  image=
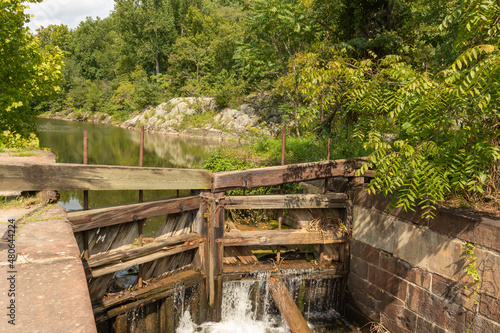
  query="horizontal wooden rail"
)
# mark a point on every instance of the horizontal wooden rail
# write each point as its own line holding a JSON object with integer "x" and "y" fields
{"x": 279, "y": 237}
{"x": 301, "y": 268}
{"x": 111, "y": 307}
{"x": 118, "y": 256}
{"x": 16, "y": 176}
{"x": 107, "y": 216}
{"x": 161, "y": 253}
{"x": 289, "y": 201}
{"x": 292, "y": 173}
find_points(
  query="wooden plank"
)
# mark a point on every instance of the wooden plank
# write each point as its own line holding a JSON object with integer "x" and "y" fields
{"x": 239, "y": 256}
{"x": 300, "y": 268}
{"x": 150, "y": 257}
{"x": 16, "y": 176}
{"x": 287, "y": 306}
{"x": 156, "y": 290}
{"x": 280, "y": 237}
{"x": 117, "y": 256}
{"x": 288, "y": 201}
{"x": 292, "y": 173}
{"x": 101, "y": 217}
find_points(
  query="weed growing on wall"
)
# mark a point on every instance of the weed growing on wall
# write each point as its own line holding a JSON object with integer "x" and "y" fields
{"x": 471, "y": 270}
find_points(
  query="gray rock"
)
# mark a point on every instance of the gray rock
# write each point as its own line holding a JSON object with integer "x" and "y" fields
{"x": 235, "y": 120}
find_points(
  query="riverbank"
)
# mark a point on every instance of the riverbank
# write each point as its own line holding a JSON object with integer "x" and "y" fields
{"x": 184, "y": 116}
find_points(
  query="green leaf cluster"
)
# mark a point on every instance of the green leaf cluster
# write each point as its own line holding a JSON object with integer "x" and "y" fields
{"x": 27, "y": 74}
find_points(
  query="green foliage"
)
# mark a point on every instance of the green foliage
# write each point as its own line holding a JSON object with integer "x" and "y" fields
{"x": 413, "y": 83}
{"x": 277, "y": 31}
{"x": 218, "y": 161}
{"x": 448, "y": 122}
{"x": 147, "y": 29}
{"x": 27, "y": 74}
{"x": 202, "y": 59}
{"x": 91, "y": 46}
{"x": 198, "y": 120}
{"x": 54, "y": 36}
{"x": 471, "y": 270}
{"x": 14, "y": 140}
{"x": 306, "y": 149}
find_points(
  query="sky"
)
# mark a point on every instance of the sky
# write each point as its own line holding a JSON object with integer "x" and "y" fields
{"x": 69, "y": 12}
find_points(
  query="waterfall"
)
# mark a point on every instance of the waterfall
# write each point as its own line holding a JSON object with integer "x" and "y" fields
{"x": 247, "y": 306}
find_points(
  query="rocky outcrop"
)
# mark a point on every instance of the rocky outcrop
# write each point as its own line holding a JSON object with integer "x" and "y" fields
{"x": 237, "y": 121}
{"x": 170, "y": 117}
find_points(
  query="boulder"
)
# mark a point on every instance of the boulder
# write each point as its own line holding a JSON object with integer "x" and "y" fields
{"x": 235, "y": 120}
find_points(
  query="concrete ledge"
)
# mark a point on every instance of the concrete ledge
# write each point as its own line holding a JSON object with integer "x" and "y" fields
{"x": 48, "y": 285}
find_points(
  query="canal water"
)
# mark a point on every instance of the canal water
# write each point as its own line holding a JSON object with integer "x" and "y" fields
{"x": 111, "y": 145}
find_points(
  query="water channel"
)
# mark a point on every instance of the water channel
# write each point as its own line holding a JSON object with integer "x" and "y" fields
{"x": 110, "y": 145}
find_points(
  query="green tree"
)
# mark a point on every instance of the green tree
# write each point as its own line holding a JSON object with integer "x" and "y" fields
{"x": 92, "y": 47}
{"x": 26, "y": 73}
{"x": 447, "y": 139}
{"x": 148, "y": 29}
{"x": 276, "y": 32}
{"x": 54, "y": 35}
{"x": 202, "y": 59}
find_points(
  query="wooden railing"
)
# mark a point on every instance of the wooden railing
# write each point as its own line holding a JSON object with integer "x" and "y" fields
{"x": 194, "y": 230}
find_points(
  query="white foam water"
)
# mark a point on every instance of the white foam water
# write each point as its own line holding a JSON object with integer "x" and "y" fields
{"x": 247, "y": 306}
{"x": 237, "y": 314}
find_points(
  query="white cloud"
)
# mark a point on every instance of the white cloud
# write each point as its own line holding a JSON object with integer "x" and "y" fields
{"x": 69, "y": 12}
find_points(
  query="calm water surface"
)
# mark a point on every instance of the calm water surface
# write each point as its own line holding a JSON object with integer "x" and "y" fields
{"x": 110, "y": 145}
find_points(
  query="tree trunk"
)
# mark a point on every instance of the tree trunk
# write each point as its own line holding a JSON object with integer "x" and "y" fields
{"x": 297, "y": 120}
{"x": 157, "y": 64}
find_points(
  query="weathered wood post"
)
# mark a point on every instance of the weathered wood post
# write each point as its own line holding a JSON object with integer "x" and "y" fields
{"x": 85, "y": 161}
{"x": 141, "y": 199}
{"x": 201, "y": 258}
{"x": 86, "y": 195}
{"x": 141, "y": 159}
{"x": 216, "y": 253}
{"x": 328, "y": 159}
{"x": 325, "y": 190}
{"x": 280, "y": 216}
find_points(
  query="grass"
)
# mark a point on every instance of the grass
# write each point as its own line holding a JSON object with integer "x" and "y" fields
{"x": 20, "y": 202}
{"x": 24, "y": 153}
{"x": 199, "y": 120}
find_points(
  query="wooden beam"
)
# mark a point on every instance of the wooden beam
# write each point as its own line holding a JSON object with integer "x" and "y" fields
{"x": 215, "y": 255}
{"x": 107, "y": 216}
{"x": 15, "y": 176}
{"x": 301, "y": 268}
{"x": 155, "y": 290}
{"x": 141, "y": 260}
{"x": 118, "y": 256}
{"x": 279, "y": 237}
{"x": 292, "y": 173}
{"x": 289, "y": 201}
{"x": 287, "y": 306}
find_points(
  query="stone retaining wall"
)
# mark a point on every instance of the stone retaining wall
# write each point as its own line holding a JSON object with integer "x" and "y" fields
{"x": 409, "y": 274}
